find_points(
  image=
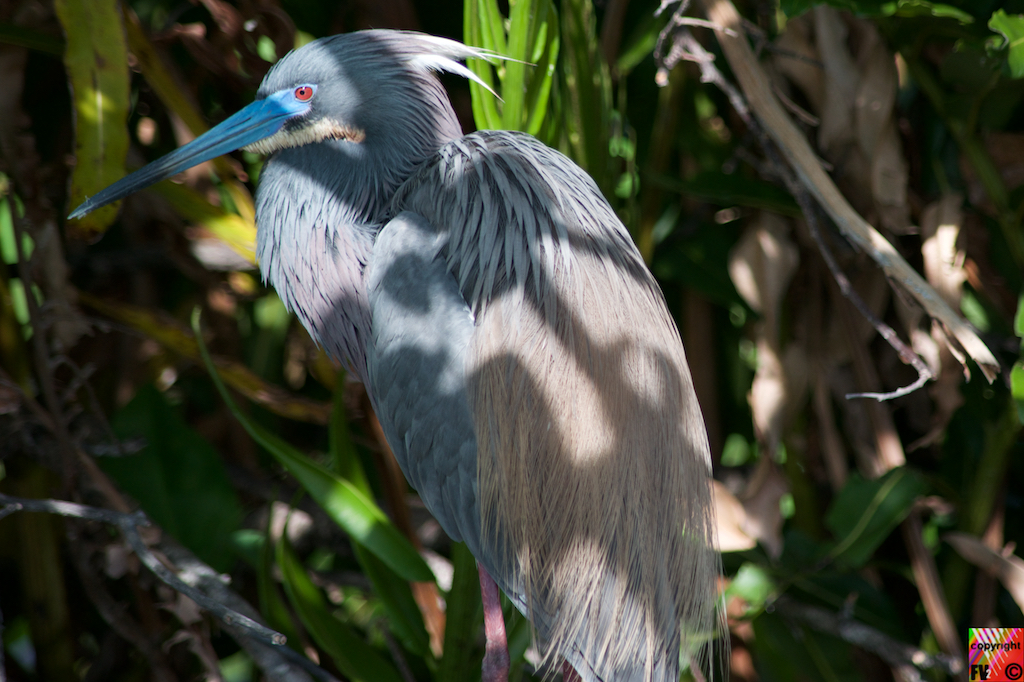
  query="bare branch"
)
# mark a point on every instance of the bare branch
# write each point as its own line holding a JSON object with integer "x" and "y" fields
{"x": 686, "y": 47}
{"x": 797, "y": 151}
{"x": 897, "y": 654}
{"x": 195, "y": 580}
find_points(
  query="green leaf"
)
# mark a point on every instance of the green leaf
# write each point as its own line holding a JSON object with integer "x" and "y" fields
{"x": 464, "y": 618}
{"x": 340, "y": 448}
{"x": 1018, "y": 320}
{"x": 353, "y": 655}
{"x": 96, "y": 59}
{"x": 178, "y": 478}
{"x": 921, "y": 8}
{"x": 588, "y": 98}
{"x": 752, "y": 584}
{"x": 641, "y": 43}
{"x": 404, "y": 616}
{"x": 1017, "y": 388}
{"x": 478, "y": 31}
{"x": 272, "y": 604}
{"x": 794, "y": 8}
{"x": 546, "y": 45}
{"x": 356, "y": 513}
{"x": 513, "y": 88}
{"x": 525, "y": 81}
{"x": 881, "y": 8}
{"x": 1011, "y": 28}
{"x": 787, "y": 651}
{"x": 865, "y": 512}
{"x": 700, "y": 261}
{"x": 831, "y": 589}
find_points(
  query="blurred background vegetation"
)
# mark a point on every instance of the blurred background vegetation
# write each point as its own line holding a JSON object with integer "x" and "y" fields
{"x": 833, "y": 513}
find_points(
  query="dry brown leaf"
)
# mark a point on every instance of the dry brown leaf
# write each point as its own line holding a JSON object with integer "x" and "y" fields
{"x": 842, "y": 79}
{"x": 877, "y": 134}
{"x": 944, "y": 267}
{"x": 855, "y": 96}
{"x": 797, "y": 39}
{"x": 876, "y": 91}
{"x": 873, "y": 288}
{"x": 1007, "y": 567}
{"x": 889, "y": 177}
{"x": 767, "y": 396}
{"x": 762, "y": 263}
{"x": 795, "y": 148}
{"x": 943, "y": 262}
{"x": 761, "y": 504}
{"x": 761, "y": 266}
{"x": 732, "y": 521}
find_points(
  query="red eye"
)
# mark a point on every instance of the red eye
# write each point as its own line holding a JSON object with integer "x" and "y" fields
{"x": 304, "y": 93}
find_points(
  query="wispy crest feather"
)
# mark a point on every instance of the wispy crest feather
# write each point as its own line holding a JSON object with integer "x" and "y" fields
{"x": 442, "y": 54}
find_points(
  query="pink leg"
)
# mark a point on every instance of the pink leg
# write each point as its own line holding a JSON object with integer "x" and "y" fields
{"x": 569, "y": 673}
{"x": 495, "y": 668}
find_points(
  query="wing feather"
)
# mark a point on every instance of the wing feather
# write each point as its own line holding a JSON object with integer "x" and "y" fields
{"x": 593, "y": 480}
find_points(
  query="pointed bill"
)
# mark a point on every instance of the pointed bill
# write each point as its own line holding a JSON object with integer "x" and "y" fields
{"x": 255, "y": 122}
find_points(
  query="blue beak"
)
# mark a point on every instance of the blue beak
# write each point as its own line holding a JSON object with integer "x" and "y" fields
{"x": 259, "y": 120}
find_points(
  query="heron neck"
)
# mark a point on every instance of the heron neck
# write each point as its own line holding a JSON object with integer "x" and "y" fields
{"x": 317, "y": 215}
{"x": 318, "y": 210}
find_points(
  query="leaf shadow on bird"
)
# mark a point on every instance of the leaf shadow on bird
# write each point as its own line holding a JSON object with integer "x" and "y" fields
{"x": 518, "y": 353}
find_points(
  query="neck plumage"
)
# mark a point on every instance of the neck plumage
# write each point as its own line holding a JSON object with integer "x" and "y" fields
{"x": 318, "y": 210}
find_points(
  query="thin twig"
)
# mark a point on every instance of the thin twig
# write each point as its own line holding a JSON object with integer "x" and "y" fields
{"x": 128, "y": 524}
{"x": 39, "y": 349}
{"x": 687, "y": 47}
{"x": 907, "y": 355}
{"x": 196, "y": 581}
{"x": 842, "y": 625}
{"x": 197, "y": 574}
{"x": 797, "y": 151}
{"x": 113, "y": 612}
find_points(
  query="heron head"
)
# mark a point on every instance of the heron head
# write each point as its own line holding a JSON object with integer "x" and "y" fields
{"x": 370, "y": 86}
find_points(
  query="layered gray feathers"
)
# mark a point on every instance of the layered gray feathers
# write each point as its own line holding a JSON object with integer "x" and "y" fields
{"x": 518, "y": 352}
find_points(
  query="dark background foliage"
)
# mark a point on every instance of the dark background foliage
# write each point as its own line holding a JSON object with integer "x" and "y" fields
{"x": 833, "y": 512}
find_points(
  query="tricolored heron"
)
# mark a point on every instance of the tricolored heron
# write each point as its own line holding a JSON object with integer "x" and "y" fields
{"x": 518, "y": 352}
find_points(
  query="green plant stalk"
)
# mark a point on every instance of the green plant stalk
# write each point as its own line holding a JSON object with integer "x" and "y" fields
{"x": 272, "y": 605}
{"x": 981, "y": 499}
{"x": 168, "y": 86}
{"x": 353, "y": 656}
{"x": 587, "y": 92}
{"x": 485, "y": 107}
{"x": 405, "y": 617}
{"x": 43, "y": 587}
{"x": 868, "y": 515}
{"x": 807, "y": 515}
{"x": 96, "y": 59}
{"x": 513, "y": 87}
{"x": 661, "y": 148}
{"x": 972, "y": 148}
{"x": 547, "y": 42}
{"x": 13, "y": 355}
{"x": 461, "y": 659}
{"x": 347, "y": 506}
